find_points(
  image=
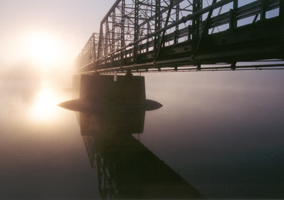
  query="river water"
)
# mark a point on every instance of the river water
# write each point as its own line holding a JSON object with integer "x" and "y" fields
{"x": 220, "y": 134}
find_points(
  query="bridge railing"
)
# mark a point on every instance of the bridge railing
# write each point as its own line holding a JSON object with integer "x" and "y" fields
{"x": 89, "y": 52}
{"x": 143, "y": 34}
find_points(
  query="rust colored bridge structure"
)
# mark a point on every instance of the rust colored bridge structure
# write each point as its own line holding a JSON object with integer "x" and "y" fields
{"x": 189, "y": 35}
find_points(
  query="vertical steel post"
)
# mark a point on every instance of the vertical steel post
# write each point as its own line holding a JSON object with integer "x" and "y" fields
{"x": 122, "y": 22}
{"x": 94, "y": 47}
{"x": 106, "y": 37}
{"x": 122, "y": 29}
{"x": 233, "y": 21}
{"x": 136, "y": 30}
{"x": 161, "y": 41}
{"x": 100, "y": 47}
{"x": 113, "y": 31}
{"x": 177, "y": 26}
{"x": 205, "y": 28}
{"x": 197, "y": 5}
{"x": 235, "y": 7}
{"x": 263, "y": 9}
{"x": 148, "y": 33}
{"x": 157, "y": 26}
{"x": 112, "y": 47}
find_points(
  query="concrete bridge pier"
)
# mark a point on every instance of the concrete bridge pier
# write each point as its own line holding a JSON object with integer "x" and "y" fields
{"x": 120, "y": 104}
{"x": 101, "y": 93}
{"x": 104, "y": 91}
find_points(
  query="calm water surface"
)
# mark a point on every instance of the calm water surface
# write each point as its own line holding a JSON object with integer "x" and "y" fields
{"x": 218, "y": 135}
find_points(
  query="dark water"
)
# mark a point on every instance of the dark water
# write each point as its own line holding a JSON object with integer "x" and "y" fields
{"x": 218, "y": 135}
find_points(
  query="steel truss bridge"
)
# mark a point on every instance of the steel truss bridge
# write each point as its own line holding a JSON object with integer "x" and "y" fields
{"x": 188, "y": 35}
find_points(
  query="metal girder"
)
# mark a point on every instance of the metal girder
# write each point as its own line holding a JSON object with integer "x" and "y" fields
{"x": 177, "y": 26}
{"x": 195, "y": 29}
{"x": 157, "y": 27}
{"x": 113, "y": 32}
{"x": 205, "y": 28}
{"x": 122, "y": 30}
{"x": 138, "y": 32}
{"x": 161, "y": 39}
{"x": 136, "y": 29}
{"x": 176, "y": 2}
{"x": 122, "y": 22}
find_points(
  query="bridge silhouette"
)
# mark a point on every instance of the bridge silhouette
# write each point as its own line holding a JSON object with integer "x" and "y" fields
{"x": 160, "y": 35}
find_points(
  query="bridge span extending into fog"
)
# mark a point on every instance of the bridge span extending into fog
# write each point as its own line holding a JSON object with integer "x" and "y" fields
{"x": 158, "y": 35}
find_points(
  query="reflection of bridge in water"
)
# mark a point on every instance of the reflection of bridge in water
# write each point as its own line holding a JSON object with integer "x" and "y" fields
{"x": 126, "y": 168}
{"x": 145, "y": 35}
{"x": 161, "y": 35}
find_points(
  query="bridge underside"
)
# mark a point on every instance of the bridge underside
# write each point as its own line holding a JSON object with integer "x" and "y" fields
{"x": 202, "y": 40}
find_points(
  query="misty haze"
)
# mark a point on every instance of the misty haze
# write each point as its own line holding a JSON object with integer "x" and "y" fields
{"x": 95, "y": 107}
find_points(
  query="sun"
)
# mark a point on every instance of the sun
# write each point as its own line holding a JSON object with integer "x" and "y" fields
{"x": 43, "y": 48}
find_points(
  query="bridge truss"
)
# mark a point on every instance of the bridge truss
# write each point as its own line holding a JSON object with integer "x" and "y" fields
{"x": 160, "y": 35}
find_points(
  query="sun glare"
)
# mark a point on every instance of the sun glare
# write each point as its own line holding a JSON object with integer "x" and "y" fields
{"x": 43, "y": 48}
{"x": 45, "y": 105}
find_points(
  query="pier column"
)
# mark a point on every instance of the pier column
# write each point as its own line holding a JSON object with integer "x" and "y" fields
{"x": 122, "y": 101}
{"x": 102, "y": 89}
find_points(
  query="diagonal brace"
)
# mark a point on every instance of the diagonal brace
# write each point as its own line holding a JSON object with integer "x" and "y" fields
{"x": 205, "y": 27}
{"x": 166, "y": 24}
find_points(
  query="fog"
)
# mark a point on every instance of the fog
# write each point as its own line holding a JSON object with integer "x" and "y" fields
{"x": 68, "y": 23}
{"x": 221, "y": 131}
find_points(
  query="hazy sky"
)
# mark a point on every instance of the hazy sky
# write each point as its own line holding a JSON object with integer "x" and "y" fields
{"x": 67, "y": 24}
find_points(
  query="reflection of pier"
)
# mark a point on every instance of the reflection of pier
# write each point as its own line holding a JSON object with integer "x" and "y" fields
{"x": 126, "y": 168}
{"x": 109, "y": 112}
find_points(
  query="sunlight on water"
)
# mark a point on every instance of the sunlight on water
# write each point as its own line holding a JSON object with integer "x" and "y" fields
{"x": 45, "y": 106}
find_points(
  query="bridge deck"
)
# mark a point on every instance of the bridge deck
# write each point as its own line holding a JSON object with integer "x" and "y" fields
{"x": 152, "y": 35}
